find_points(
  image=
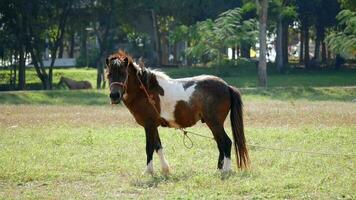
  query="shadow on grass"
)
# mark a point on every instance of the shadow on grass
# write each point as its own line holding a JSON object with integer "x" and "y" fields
{"x": 303, "y": 93}
{"x": 157, "y": 179}
{"x": 95, "y": 97}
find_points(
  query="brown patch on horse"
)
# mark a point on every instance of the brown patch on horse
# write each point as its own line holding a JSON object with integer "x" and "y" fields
{"x": 180, "y": 114}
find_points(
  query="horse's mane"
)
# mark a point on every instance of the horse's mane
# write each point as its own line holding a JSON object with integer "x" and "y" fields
{"x": 146, "y": 74}
{"x": 160, "y": 74}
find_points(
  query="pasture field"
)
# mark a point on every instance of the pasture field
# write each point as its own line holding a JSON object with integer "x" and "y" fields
{"x": 240, "y": 76}
{"x": 72, "y": 145}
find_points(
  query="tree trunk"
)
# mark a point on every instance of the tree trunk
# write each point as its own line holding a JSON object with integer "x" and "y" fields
{"x": 318, "y": 40}
{"x": 22, "y": 70}
{"x": 306, "y": 47}
{"x": 233, "y": 49}
{"x": 156, "y": 39}
{"x": 285, "y": 43}
{"x": 164, "y": 50}
{"x": 100, "y": 79}
{"x": 61, "y": 49}
{"x": 323, "y": 52}
{"x": 245, "y": 50}
{"x": 301, "y": 47}
{"x": 71, "y": 44}
{"x": 83, "y": 46}
{"x": 317, "y": 49}
{"x": 279, "y": 45}
{"x": 262, "y": 64}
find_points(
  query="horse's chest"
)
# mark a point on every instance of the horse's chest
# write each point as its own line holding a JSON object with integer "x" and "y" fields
{"x": 174, "y": 94}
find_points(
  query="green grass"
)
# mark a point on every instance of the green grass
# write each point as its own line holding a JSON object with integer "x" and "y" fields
{"x": 97, "y": 162}
{"x": 65, "y": 144}
{"x": 56, "y": 97}
{"x": 240, "y": 76}
{"x": 95, "y": 97}
{"x": 247, "y": 77}
{"x": 33, "y": 82}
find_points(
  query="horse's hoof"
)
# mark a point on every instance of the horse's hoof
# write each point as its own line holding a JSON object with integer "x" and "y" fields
{"x": 226, "y": 170}
{"x": 148, "y": 172}
{"x": 166, "y": 171}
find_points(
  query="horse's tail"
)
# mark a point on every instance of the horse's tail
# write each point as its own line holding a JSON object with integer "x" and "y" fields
{"x": 237, "y": 125}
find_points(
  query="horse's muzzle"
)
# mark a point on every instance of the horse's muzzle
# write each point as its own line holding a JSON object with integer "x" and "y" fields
{"x": 115, "y": 97}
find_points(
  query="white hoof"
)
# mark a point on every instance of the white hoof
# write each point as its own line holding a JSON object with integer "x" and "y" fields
{"x": 227, "y": 165}
{"x": 165, "y": 170}
{"x": 149, "y": 169}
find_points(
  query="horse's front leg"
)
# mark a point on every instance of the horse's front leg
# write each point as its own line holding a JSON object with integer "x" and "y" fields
{"x": 153, "y": 143}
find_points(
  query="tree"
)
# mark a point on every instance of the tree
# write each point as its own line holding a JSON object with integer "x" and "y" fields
{"x": 285, "y": 15}
{"x": 36, "y": 24}
{"x": 13, "y": 21}
{"x": 325, "y": 18}
{"x": 306, "y": 13}
{"x": 209, "y": 39}
{"x": 262, "y": 64}
{"x": 344, "y": 41}
{"x": 105, "y": 20}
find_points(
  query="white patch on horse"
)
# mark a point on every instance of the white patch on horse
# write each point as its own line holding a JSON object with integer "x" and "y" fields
{"x": 164, "y": 163}
{"x": 227, "y": 164}
{"x": 173, "y": 92}
{"x": 149, "y": 168}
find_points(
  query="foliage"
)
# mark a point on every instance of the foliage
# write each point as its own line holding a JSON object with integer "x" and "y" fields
{"x": 344, "y": 41}
{"x": 89, "y": 60}
{"x": 348, "y": 4}
{"x": 209, "y": 39}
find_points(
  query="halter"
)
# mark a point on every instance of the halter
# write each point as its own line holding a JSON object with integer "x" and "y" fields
{"x": 122, "y": 84}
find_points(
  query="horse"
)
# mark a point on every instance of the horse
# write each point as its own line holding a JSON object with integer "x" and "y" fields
{"x": 73, "y": 84}
{"x": 154, "y": 99}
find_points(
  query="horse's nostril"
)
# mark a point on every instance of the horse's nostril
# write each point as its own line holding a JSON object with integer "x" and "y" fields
{"x": 115, "y": 95}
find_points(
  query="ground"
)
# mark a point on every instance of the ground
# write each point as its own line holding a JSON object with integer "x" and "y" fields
{"x": 91, "y": 151}
{"x": 74, "y": 145}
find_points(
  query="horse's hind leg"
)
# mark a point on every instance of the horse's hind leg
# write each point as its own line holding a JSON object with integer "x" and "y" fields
{"x": 224, "y": 145}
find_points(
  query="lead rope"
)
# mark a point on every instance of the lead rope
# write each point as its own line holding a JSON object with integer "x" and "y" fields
{"x": 185, "y": 135}
{"x": 185, "y": 132}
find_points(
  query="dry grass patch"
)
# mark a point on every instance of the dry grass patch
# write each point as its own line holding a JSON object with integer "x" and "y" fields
{"x": 257, "y": 114}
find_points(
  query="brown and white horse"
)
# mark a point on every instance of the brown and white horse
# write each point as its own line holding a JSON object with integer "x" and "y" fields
{"x": 154, "y": 99}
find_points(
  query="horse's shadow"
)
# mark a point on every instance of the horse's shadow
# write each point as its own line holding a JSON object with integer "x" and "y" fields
{"x": 148, "y": 181}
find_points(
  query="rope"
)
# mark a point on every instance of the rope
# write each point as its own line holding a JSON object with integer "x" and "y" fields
{"x": 185, "y": 135}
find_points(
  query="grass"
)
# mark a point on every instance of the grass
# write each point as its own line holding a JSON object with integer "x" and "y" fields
{"x": 239, "y": 76}
{"x": 100, "y": 97}
{"x": 65, "y": 144}
{"x": 96, "y": 152}
{"x": 33, "y": 82}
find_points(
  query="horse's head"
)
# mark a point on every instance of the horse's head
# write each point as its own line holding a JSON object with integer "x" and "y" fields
{"x": 117, "y": 66}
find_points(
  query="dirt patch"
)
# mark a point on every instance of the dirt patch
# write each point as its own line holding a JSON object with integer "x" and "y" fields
{"x": 257, "y": 114}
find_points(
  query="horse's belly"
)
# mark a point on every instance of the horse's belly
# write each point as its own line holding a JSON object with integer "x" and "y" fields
{"x": 181, "y": 115}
